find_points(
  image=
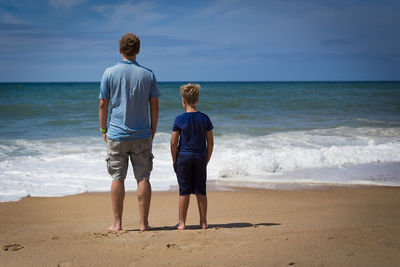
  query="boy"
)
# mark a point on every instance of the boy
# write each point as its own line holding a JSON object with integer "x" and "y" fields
{"x": 191, "y": 156}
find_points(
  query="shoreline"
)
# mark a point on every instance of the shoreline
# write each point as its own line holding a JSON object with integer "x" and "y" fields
{"x": 240, "y": 186}
{"x": 336, "y": 226}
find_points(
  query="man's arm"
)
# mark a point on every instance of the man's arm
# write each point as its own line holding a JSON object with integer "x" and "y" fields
{"x": 174, "y": 145}
{"x": 210, "y": 144}
{"x": 153, "y": 115}
{"x": 103, "y": 112}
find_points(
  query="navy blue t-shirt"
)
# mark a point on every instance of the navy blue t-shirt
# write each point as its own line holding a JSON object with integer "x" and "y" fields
{"x": 192, "y": 127}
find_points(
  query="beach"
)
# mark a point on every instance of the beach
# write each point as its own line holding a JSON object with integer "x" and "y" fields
{"x": 302, "y": 173}
{"x": 323, "y": 226}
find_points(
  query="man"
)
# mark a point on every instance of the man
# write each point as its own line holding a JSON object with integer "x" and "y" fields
{"x": 128, "y": 89}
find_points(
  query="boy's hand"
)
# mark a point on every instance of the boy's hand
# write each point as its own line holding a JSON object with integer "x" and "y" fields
{"x": 104, "y": 137}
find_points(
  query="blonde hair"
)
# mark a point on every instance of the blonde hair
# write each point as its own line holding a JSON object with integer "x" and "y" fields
{"x": 190, "y": 93}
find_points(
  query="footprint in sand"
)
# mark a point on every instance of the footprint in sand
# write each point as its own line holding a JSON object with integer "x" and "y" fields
{"x": 170, "y": 245}
{"x": 65, "y": 264}
{"x": 13, "y": 247}
{"x": 107, "y": 234}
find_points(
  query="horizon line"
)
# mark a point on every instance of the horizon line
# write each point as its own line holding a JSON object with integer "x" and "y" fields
{"x": 220, "y": 81}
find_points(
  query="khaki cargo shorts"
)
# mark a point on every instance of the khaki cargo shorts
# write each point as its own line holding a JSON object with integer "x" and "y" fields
{"x": 138, "y": 151}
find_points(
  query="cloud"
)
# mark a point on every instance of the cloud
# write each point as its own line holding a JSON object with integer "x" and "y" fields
{"x": 9, "y": 27}
{"x": 129, "y": 14}
{"x": 33, "y": 41}
{"x": 336, "y": 42}
{"x": 243, "y": 37}
{"x": 67, "y": 4}
{"x": 7, "y": 18}
{"x": 163, "y": 41}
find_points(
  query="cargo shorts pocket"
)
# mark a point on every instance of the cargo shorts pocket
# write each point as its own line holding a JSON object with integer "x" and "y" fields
{"x": 143, "y": 165}
{"x": 108, "y": 164}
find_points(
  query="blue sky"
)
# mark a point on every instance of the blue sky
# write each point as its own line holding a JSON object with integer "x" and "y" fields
{"x": 215, "y": 40}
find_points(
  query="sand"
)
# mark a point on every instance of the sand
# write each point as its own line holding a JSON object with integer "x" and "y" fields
{"x": 321, "y": 227}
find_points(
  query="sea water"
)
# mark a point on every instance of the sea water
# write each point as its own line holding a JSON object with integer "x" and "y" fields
{"x": 265, "y": 133}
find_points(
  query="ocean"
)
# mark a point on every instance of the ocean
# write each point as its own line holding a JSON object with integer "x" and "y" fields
{"x": 266, "y": 134}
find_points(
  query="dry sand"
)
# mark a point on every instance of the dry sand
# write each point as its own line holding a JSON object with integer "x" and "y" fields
{"x": 324, "y": 227}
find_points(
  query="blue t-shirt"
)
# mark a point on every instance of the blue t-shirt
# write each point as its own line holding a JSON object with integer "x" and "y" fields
{"x": 129, "y": 88}
{"x": 192, "y": 127}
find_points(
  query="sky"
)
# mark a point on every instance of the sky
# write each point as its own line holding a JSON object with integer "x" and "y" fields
{"x": 204, "y": 40}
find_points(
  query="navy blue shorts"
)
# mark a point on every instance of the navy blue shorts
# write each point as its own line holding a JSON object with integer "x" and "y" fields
{"x": 191, "y": 172}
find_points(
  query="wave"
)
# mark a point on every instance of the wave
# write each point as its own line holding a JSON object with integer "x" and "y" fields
{"x": 64, "y": 166}
{"x": 282, "y": 152}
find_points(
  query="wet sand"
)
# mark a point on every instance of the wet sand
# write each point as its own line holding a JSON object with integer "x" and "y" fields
{"x": 327, "y": 226}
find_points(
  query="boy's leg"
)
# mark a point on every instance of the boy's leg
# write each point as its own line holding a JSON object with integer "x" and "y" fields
{"x": 144, "y": 198}
{"x": 200, "y": 180}
{"x": 183, "y": 173}
{"x": 183, "y": 208}
{"x": 117, "y": 203}
{"x": 202, "y": 203}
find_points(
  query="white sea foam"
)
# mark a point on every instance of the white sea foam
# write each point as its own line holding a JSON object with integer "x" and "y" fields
{"x": 58, "y": 167}
{"x": 277, "y": 153}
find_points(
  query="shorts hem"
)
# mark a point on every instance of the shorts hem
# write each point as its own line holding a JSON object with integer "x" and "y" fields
{"x": 142, "y": 179}
{"x": 192, "y": 193}
{"x": 118, "y": 178}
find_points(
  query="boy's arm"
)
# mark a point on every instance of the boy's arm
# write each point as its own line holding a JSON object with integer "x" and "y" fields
{"x": 174, "y": 145}
{"x": 103, "y": 112}
{"x": 210, "y": 144}
{"x": 153, "y": 115}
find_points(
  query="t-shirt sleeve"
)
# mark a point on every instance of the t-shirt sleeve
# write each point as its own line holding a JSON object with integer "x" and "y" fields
{"x": 104, "y": 87}
{"x": 210, "y": 126}
{"x": 155, "y": 92}
{"x": 176, "y": 125}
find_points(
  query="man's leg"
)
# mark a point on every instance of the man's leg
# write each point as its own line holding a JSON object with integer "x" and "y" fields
{"x": 183, "y": 208}
{"x": 117, "y": 202}
{"x": 144, "y": 198}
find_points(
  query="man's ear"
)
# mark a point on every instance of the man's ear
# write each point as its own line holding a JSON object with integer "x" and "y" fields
{"x": 120, "y": 51}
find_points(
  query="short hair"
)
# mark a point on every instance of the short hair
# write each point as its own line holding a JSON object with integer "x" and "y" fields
{"x": 190, "y": 93}
{"x": 129, "y": 44}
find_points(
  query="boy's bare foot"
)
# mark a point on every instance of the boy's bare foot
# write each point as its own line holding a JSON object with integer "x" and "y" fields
{"x": 204, "y": 225}
{"x": 114, "y": 228}
{"x": 144, "y": 227}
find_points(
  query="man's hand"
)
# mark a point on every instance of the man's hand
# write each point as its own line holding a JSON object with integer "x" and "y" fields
{"x": 103, "y": 110}
{"x": 153, "y": 115}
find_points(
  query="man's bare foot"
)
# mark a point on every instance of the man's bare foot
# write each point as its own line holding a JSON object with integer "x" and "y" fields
{"x": 114, "y": 228}
{"x": 181, "y": 226}
{"x": 204, "y": 225}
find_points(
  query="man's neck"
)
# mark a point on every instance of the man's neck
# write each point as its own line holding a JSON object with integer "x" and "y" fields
{"x": 129, "y": 58}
